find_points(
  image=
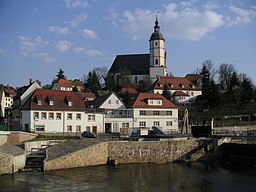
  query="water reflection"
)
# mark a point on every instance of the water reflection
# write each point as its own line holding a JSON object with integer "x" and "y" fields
{"x": 135, "y": 177}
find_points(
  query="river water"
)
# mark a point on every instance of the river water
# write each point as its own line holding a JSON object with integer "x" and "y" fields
{"x": 177, "y": 177}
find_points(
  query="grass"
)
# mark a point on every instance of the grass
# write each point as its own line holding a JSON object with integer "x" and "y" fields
{"x": 3, "y": 128}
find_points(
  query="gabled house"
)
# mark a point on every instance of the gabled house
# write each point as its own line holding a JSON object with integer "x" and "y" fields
{"x": 151, "y": 109}
{"x": 63, "y": 85}
{"x": 87, "y": 96}
{"x": 106, "y": 102}
{"x": 77, "y": 85}
{"x": 181, "y": 88}
{"x": 58, "y": 112}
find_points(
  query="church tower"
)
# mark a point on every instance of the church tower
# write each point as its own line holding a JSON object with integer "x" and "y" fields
{"x": 158, "y": 62}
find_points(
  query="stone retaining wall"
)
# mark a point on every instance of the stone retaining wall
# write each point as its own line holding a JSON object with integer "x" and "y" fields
{"x": 131, "y": 152}
{"x": 150, "y": 151}
{"x": 94, "y": 155}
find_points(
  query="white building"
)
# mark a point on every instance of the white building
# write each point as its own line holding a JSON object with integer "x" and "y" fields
{"x": 64, "y": 112}
{"x": 181, "y": 88}
{"x": 54, "y": 111}
{"x": 151, "y": 109}
{"x": 63, "y": 85}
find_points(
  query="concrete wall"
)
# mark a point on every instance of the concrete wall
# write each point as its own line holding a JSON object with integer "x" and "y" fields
{"x": 18, "y": 136}
{"x": 94, "y": 155}
{"x": 4, "y": 137}
{"x": 33, "y": 146}
{"x": 129, "y": 152}
{"x": 11, "y": 164}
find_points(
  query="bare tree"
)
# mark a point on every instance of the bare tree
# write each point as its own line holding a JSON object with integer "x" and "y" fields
{"x": 101, "y": 72}
{"x": 225, "y": 74}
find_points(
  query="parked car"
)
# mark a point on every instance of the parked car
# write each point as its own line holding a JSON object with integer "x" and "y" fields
{"x": 88, "y": 134}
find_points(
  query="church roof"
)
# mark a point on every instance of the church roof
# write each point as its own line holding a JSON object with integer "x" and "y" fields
{"x": 135, "y": 64}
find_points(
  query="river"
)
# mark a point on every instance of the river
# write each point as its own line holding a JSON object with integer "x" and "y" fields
{"x": 176, "y": 177}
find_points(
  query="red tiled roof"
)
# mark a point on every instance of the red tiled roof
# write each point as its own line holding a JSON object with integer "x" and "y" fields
{"x": 180, "y": 93}
{"x": 175, "y": 83}
{"x": 193, "y": 77}
{"x": 141, "y": 101}
{"x": 77, "y": 83}
{"x": 64, "y": 83}
{"x": 59, "y": 98}
{"x": 129, "y": 90}
{"x": 88, "y": 94}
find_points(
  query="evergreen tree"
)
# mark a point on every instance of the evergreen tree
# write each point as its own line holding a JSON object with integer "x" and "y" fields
{"x": 205, "y": 80}
{"x": 60, "y": 75}
{"x": 92, "y": 82}
{"x": 247, "y": 90}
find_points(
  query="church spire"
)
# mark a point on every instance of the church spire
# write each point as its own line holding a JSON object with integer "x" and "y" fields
{"x": 156, "y": 27}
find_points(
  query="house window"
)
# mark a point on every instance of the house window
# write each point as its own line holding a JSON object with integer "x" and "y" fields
{"x": 142, "y": 112}
{"x": 109, "y": 101}
{"x": 88, "y": 128}
{"x": 51, "y": 115}
{"x": 158, "y": 102}
{"x": 78, "y": 128}
{"x": 142, "y": 123}
{"x": 39, "y": 128}
{"x": 136, "y": 79}
{"x": 58, "y": 116}
{"x": 168, "y": 123}
{"x": 70, "y": 103}
{"x": 43, "y": 116}
{"x": 155, "y": 43}
{"x": 117, "y": 102}
{"x": 91, "y": 117}
{"x": 192, "y": 93}
{"x": 169, "y": 113}
{"x": 125, "y": 125}
{"x": 78, "y": 116}
{"x": 69, "y": 128}
{"x": 51, "y": 102}
{"x": 36, "y": 115}
{"x": 156, "y": 123}
{"x": 156, "y": 62}
{"x": 69, "y": 116}
{"x": 156, "y": 112}
{"x": 151, "y": 102}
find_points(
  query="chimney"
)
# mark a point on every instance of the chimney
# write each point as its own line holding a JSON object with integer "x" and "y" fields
{"x": 30, "y": 81}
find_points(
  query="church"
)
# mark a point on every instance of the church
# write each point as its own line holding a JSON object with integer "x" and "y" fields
{"x": 153, "y": 67}
{"x": 136, "y": 67}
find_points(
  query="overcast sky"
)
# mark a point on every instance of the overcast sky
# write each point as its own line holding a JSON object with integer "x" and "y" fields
{"x": 38, "y": 37}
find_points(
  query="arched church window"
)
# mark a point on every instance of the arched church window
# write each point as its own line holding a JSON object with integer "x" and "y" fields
{"x": 156, "y": 61}
{"x": 155, "y": 43}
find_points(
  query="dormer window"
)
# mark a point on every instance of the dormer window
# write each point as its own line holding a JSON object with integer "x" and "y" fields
{"x": 68, "y": 101}
{"x": 170, "y": 85}
{"x": 39, "y": 102}
{"x": 182, "y": 86}
{"x": 51, "y": 102}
